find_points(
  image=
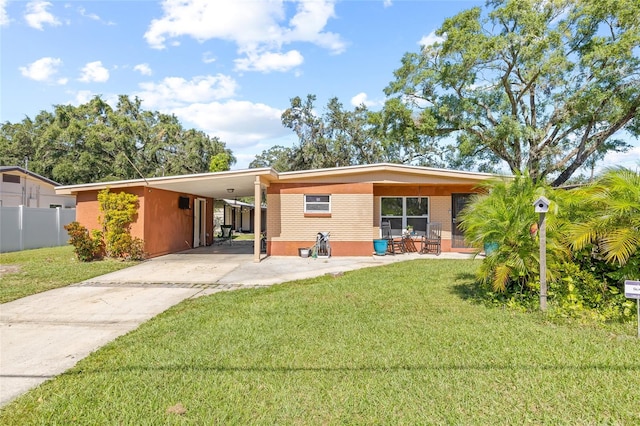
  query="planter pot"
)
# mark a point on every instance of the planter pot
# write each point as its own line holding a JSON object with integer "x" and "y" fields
{"x": 380, "y": 247}
{"x": 303, "y": 252}
{"x": 490, "y": 247}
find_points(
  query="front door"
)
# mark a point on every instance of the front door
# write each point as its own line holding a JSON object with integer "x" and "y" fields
{"x": 199, "y": 222}
{"x": 458, "y": 201}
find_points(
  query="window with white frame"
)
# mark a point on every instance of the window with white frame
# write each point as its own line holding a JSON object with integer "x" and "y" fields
{"x": 401, "y": 212}
{"x": 317, "y": 204}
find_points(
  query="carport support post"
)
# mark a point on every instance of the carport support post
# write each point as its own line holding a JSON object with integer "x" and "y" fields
{"x": 257, "y": 218}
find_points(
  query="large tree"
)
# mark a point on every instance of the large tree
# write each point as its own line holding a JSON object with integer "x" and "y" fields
{"x": 95, "y": 142}
{"x": 337, "y": 137}
{"x": 541, "y": 85}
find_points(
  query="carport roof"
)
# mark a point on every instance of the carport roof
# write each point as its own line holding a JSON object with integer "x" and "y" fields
{"x": 216, "y": 184}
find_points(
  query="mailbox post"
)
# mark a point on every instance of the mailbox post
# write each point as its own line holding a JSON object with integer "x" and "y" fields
{"x": 541, "y": 205}
{"x": 632, "y": 291}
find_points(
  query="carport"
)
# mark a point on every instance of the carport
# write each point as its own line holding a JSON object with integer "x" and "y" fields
{"x": 156, "y": 210}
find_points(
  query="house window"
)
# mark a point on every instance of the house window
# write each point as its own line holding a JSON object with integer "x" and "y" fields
{"x": 55, "y": 206}
{"x": 10, "y": 178}
{"x": 405, "y": 211}
{"x": 317, "y": 204}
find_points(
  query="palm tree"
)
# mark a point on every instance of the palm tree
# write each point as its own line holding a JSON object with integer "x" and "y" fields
{"x": 613, "y": 228}
{"x": 504, "y": 215}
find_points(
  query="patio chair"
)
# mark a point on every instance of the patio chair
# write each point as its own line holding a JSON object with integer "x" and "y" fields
{"x": 227, "y": 234}
{"x": 394, "y": 243}
{"x": 432, "y": 239}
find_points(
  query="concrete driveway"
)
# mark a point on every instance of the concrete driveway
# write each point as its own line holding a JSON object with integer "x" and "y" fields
{"x": 43, "y": 335}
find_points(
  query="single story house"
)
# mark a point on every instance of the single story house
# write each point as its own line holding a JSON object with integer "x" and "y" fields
{"x": 22, "y": 187}
{"x": 176, "y": 213}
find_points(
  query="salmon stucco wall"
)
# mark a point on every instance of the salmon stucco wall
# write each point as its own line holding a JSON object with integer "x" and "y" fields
{"x": 88, "y": 211}
{"x": 162, "y": 226}
{"x": 168, "y": 229}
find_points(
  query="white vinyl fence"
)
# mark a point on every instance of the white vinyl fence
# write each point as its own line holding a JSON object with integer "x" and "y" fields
{"x": 23, "y": 228}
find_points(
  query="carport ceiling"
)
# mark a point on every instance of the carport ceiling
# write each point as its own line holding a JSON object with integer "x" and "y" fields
{"x": 216, "y": 185}
{"x": 243, "y": 186}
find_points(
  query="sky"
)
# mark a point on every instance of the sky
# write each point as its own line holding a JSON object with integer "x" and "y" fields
{"x": 226, "y": 67}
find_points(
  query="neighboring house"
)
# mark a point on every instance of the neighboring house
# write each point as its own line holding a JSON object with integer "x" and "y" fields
{"x": 238, "y": 214}
{"x": 349, "y": 202}
{"x": 19, "y": 186}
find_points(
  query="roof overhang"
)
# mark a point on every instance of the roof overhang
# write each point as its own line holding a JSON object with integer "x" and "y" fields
{"x": 215, "y": 185}
{"x": 387, "y": 173}
{"x": 10, "y": 169}
{"x": 219, "y": 184}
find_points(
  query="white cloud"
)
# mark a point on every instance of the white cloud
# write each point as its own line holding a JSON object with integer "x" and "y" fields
{"x": 430, "y": 39}
{"x": 174, "y": 92}
{"x": 241, "y": 124}
{"x": 259, "y": 31}
{"x": 44, "y": 70}
{"x": 208, "y": 58}
{"x": 363, "y": 98}
{"x": 37, "y": 15}
{"x": 82, "y": 97}
{"x": 204, "y": 20}
{"x": 143, "y": 69}
{"x": 94, "y": 72}
{"x": 629, "y": 159}
{"x": 387, "y": 3}
{"x": 93, "y": 16}
{"x": 269, "y": 61}
{"x": 4, "y": 17}
{"x": 200, "y": 103}
{"x": 308, "y": 23}
{"x": 83, "y": 12}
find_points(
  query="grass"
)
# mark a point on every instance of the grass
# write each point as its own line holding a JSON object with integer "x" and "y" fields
{"x": 35, "y": 271}
{"x": 240, "y": 236}
{"x": 399, "y": 344}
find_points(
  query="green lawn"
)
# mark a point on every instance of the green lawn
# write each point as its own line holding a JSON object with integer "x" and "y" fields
{"x": 35, "y": 271}
{"x": 398, "y": 344}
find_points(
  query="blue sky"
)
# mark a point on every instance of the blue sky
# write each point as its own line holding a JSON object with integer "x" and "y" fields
{"x": 226, "y": 67}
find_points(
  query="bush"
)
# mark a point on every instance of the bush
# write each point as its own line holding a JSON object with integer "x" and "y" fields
{"x": 504, "y": 215}
{"x": 87, "y": 247}
{"x": 119, "y": 210}
{"x": 579, "y": 294}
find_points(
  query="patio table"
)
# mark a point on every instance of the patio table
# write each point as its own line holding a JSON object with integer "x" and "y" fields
{"x": 409, "y": 242}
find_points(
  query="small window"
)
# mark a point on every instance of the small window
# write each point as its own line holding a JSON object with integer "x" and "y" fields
{"x": 55, "y": 206}
{"x": 10, "y": 178}
{"x": 317, "y": 204}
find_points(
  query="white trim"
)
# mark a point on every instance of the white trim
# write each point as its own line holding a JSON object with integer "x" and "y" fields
{"x": 318, "y": 203}
{"x": 404, "y": 215}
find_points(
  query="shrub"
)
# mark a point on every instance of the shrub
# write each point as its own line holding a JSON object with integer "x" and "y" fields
{"x": 119, "y": 211}
{"x": 504, "y": 215}
{"x": 579, "y": 294}
{"x": 87, "y": 247}
{"x": 610, "y": 229}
